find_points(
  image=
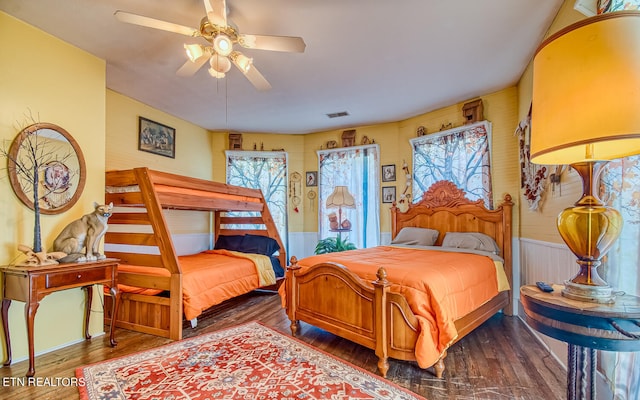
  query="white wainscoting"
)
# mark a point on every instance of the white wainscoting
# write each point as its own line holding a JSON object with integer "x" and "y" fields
{"x": 302, "y": 244}
{"x": 551, "y": 263}
{"x": 184, "y": 244}
{"x": 544, "y": 261}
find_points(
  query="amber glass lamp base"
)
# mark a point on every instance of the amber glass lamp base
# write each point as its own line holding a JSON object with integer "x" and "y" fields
{"x": 589, "y": 228}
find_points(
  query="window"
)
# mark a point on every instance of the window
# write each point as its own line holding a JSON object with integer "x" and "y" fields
{"x": 459, "y": 155}
{"x": 357, "y": 169}
{"x": 266, "y": 171}
{"x": 620, "y": 188}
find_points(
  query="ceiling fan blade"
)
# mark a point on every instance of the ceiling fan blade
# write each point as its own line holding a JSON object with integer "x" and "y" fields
{"x": 216, "y": 12}
{"x": 136, "y": 19}
{"x": 191, "y": 67}
{"x": 276, "y": 43}
{"x": 257, "y": 80}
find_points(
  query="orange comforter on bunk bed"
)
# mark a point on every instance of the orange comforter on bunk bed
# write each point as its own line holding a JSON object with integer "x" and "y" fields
{"x": 440, "y": 286}
{"x": 210, "y": 277}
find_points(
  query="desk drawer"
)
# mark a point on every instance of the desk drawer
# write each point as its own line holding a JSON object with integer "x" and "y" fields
{"x": 75, "y": 277}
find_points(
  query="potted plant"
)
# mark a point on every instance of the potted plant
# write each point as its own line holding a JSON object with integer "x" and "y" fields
{"x": 333, "y": 245}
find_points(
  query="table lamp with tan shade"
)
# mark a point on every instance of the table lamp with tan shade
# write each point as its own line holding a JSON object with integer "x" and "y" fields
{"x": 341, "y": 198}
{"x": 586, "y": 111}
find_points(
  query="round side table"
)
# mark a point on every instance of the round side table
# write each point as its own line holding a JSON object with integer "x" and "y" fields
{"x": 586, "y": 327}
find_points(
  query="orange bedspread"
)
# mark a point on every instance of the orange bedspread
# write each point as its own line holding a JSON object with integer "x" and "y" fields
{"x": 208, "y": 278}
{"x": 440, "y": 287}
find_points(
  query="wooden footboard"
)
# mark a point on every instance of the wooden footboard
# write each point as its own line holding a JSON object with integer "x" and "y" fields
{"x": 140, "y": 313}
{"x": 332, "y": 298}
{"x": 159, "y": 315}
{"x": 155, "y": 315}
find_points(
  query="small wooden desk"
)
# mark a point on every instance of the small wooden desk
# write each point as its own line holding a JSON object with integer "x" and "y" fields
{"x": 30, "y": 284}
{"x": 583, "y": 325}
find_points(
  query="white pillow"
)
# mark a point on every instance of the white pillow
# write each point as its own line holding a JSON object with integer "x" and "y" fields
{"x": 471, "y": 240}
{"x": 416, "y": 236}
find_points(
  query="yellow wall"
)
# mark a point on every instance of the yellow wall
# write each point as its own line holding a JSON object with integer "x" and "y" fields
{"x": 65, "y": 86}
{"x": 541, "y": 224}
{"x": 294, "y": 145}
{"x": 193, "y": 143}
{"x": 500, "y": 108}
{"x": 192, "y": 152}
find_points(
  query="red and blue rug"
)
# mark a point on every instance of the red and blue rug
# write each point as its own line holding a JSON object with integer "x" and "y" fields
{"x": 249, "y": 361}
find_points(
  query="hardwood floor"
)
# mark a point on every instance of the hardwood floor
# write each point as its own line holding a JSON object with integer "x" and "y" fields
{"x": 499, "y": 360}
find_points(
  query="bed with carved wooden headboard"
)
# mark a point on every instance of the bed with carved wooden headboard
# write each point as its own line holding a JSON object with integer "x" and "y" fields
{"x": 379, "y": 298}
{"x": 159, "y": 286}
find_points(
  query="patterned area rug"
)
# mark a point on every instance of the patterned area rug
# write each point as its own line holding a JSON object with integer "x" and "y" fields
{"x": 249, "y": 361}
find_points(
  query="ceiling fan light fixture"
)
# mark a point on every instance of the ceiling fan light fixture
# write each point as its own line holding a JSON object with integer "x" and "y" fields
{"x": 219, "y": 63}
{"x": 222, "y": 45}
{"x": 194, "y": 51}
{"x": 241, "y": 61}
{"x": 215, "y": 73}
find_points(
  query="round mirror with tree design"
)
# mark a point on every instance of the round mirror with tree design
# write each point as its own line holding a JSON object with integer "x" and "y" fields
{"x": 46, "y": 168}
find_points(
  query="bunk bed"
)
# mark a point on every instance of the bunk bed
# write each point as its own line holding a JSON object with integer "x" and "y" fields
{"x": 377, "y": 297}
{"x": 159, "y": 287}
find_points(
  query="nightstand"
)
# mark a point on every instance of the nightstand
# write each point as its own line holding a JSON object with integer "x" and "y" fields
{"x": 586, "y": 327}
{"x": 30, "y": 284}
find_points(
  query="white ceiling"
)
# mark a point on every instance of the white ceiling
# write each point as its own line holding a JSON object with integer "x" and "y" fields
{"x": 379, "y": 60}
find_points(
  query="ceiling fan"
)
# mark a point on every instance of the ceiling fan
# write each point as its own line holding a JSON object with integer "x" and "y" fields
{"x": 222, "y": 37}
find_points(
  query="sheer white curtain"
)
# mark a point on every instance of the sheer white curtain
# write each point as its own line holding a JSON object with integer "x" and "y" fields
{"x": 620, "y": 188}
{"x": 357, "y": 169}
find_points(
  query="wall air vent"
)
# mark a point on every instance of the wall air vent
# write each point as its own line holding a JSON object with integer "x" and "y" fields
{"x": 586, "y": 7}
{"x": 338, "y": 114}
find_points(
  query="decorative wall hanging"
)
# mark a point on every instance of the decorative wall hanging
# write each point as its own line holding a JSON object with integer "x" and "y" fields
{"x": 532, "y": 176}
{"x": 311, "y": 195}
{"x": 405, "y": 196}
{"x": 156, "y": 138}
{"x": 235, "y": 141}
{"x": 295, "y": 188}
{"x": 473, "y": 111}
{"x": 59, "y": 162}
{"x": 349, "y": 138}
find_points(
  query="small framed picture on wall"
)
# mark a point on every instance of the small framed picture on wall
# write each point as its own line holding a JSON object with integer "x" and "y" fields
{"x": 156, "y": 138}
{"x": 389, "y": 173}
{"x": 388, "y": 194}
{"x": 312, "y": 178}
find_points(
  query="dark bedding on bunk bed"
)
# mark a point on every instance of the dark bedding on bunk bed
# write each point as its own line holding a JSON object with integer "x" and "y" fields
{"x": 254, "y": 244}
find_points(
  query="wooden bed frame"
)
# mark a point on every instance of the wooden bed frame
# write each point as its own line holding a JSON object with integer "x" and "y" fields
{"x": 368, "y": 313}
{"x": 150, "y": 192}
